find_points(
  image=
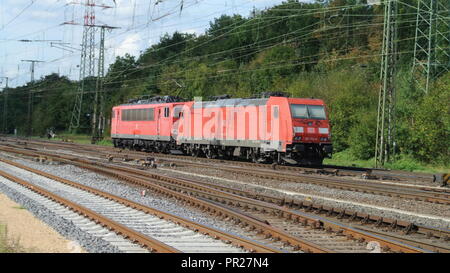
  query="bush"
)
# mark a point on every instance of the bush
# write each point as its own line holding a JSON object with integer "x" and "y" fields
{"x": 362, "y": 137}
{"x": 430, "y": 133}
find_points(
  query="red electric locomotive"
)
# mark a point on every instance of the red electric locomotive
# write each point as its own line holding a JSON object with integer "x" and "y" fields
{"x": 146, "y": 124}
{"x": 272, "y": 130}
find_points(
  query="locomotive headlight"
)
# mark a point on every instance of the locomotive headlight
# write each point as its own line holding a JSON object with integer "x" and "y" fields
{"x": 323, "y": 131}
{"x": 298, "y": 138}
{"x": 298, "y": 129}
{"x": 323, "y": 139}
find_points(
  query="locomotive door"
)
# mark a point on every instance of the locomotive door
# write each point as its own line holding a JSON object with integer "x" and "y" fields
{"x": 114, "y": 119}
{"x": 158, "y": 121}
{"x": 164, "y": 121}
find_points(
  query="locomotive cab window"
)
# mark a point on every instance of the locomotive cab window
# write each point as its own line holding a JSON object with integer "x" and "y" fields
{"x": 316, "y": 112}
{"x": 308, "y": 111}
{"x": 299, "y": 111}
{"x": 177, "y": 111}
{"x": 166, "y": 112}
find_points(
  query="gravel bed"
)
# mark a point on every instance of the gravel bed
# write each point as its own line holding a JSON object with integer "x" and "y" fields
{"x": 63, "y": 226}
{"x": 398, "y": 208}
{"x": 231, "y": 163}
{"x": 418, "y": 212}
{"x": 130, "y": 192}
{"x": 169, "y": 233}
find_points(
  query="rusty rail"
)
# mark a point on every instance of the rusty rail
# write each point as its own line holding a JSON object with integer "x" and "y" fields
{"x": 382, "y": 174}
{"x": 254, "y": 224}
{"x": 427, "y": 194}
{"x": 147, "y": 242}
{"x": 175, "y": 189}
{"x": 216, "y": 234}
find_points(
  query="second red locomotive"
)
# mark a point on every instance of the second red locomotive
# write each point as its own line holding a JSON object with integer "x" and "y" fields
{"x": 272, "y": 130}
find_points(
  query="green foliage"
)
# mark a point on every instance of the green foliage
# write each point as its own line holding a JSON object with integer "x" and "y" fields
{"x": 406, "y": 163}
{"x": 361, "y": 138}
{"x": 349, "y": 101}
{"x": 430, "y": 136}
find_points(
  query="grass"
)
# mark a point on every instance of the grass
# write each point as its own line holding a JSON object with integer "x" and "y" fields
{"x": 8, "y": 245}
{"x": 405, "y": 163}
{"x": 83, "y": 139}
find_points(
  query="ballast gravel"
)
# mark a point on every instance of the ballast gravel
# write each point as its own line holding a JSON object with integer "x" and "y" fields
{"x": 129, "y": 192}
{"x": 63, "y": 226}
{"x": 418, "y": 212}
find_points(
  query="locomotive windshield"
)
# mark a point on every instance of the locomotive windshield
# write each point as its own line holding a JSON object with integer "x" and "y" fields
{"x": 308, "y": 111}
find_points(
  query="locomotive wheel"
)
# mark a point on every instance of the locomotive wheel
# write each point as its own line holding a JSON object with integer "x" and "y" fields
{"x": 208, "y": 154}
{"x": 254, "y": 158}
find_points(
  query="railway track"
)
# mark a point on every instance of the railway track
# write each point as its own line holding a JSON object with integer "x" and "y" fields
{"x": 186, "y": 190}
{"x": 145, "y": 241}
{"x": 413, "y": 192}
{"x": 139, "y": 223}
{"x": 367, "y": 173}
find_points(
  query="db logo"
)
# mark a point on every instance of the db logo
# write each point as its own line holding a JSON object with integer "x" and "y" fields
{"x": 73, "y": 247}
{"x": 374, "y": 246}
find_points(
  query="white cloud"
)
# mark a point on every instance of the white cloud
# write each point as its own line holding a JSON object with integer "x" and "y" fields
{"x": 130, "y": 45}
{"x": 192, "y": 31}
{"x": 42, "y": 14}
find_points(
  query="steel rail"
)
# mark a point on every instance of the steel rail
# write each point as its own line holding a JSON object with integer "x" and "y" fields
{"x": 147, "y": 242}
{"x": 263, "y": 228}
{"x": 366, "y": 219}
{"x": 366, "y": 187}
{"x": 424, "y": 193}
{"x": 363, "y": 218}
{"x": 441, "y": 196}
{"x": 173, "y": 190}
{"x": 296, "y": 177}
{"x": 216, "y": 234}
{"x": 423, "y": 245}
{"x": 326, "y": 169}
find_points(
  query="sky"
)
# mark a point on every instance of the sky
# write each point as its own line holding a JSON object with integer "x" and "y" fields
{"x": 140, "y": 24}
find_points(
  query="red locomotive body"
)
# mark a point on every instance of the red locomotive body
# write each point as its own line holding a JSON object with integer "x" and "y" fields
{"x": 274, "y": 129}
{"x": 145, "y": 125}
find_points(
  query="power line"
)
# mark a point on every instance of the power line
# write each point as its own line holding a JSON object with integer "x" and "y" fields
{"x": 20, "y": 13}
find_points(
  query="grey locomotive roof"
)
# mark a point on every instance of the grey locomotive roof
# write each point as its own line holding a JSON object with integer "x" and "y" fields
{"x": 208, "y": 104}
{"x": 231, "y": 102}
{"x": 153, "y": 100}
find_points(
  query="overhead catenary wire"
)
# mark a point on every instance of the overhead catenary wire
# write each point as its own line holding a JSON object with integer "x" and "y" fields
{"x": 263, "y": 48}
{"x": 162, "y": 63}
{"x": 272, "y": 65}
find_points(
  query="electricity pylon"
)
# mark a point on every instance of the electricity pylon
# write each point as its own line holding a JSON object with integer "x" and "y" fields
{"x": 385, "y": 142}
{"x": 98, "y": 114}
{"x": 30, "y": 97}
{"x": 5, "y": 107}
{"x": 87, "y": 62}
{"x": 432, "y": 41}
